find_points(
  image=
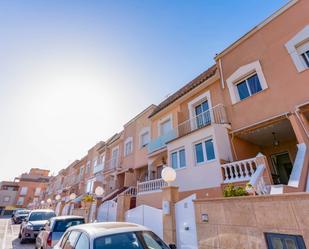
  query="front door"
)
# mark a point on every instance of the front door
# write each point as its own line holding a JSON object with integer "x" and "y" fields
{"x": 282, "y": 168}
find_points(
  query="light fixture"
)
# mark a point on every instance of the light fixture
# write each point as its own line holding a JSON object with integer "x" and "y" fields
{"x": 275, "y": 140}
{"x": 99, "y": 191}
{"x": 58, "y": 197}
{"x": 49, "y": 201}
{"x": 42, "y": 202}
{"x": 72, "y": 196}
{"x": 168, "y": 174}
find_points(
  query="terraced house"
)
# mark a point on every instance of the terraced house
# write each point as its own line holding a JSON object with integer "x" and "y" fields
{"x": 245, "y": 122}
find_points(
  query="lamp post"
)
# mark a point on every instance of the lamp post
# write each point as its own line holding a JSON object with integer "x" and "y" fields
{"x": 170, "y": 196}
{"x": 99, "y": 192}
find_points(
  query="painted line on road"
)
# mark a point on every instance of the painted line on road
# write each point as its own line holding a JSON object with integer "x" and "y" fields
{"x": 5, "y": 233}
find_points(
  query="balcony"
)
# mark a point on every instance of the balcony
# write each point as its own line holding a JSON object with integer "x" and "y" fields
{"x": 215, "y": 115}
{"x": 111, "y": 165}
{"x": 98, "y": 167}
{"x": 150, "y": 186}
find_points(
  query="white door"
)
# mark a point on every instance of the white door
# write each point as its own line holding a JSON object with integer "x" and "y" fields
{"x": 185, "y": 224}
{"x": 147, "y": 216}
{"x": 107, "y": 211}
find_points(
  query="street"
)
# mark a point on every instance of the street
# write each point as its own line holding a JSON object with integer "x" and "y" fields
{"x": 9, "y": 236}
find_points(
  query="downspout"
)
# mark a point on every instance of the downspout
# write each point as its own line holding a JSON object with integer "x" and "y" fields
{"x": 221, "y": 73}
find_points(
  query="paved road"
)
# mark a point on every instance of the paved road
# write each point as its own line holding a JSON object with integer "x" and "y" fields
{"x": 8, "y": 236}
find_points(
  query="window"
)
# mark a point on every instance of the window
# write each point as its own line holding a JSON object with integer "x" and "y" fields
{"x": 89, "y": 187}
{"x": 298, "y": 48}
{"x": 87, "y": 167}
{"x": 64, "y": 239}
{"x": 304, "y": 53}
{"x": 165, "y": 127}
{"x": 83, "y": 242}
{"x": 204, "y": 151}
{"x": 115, "y": 156}
{"x": 284, "y": 241}
{"x": 178, "y": 159}
{"x": 120, "y": 240}
{"x": 246, "y": 81}
{"x": 23, "y": 191}
{"x": 37, "y": 191}
{"x": 202, "y": 114}
{"x": 144, "y": 140}
{"x": 81, "y": 171}
{"x": 249, "y": 86}
{"x": 71, "y": 240}
{"x": 63, "y": 225}
{"x": 20, "y": 201}
{"x": 128, "y": 146}
{"x": 153, "y": 241}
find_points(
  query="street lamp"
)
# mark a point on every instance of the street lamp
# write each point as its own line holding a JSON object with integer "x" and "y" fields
{"x": 99, "y": 191}
{"x": 58, "y": 197}
{"x": 168, "y": 174}
{"x": 72, "y": 196}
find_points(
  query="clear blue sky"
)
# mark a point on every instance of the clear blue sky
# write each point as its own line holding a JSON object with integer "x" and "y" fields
{"x": 73, "y": 72}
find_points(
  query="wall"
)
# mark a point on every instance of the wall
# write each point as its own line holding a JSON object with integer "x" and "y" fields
{"x": 153, "y": 199}
{"x": 8, "y": 193}
{"x": 286, "y": 87}
{"x": 240, "y": 222}
{"x": 208, "y": 175}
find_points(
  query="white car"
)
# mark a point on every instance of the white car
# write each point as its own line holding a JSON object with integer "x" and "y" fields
{"x": 110, "y": 235}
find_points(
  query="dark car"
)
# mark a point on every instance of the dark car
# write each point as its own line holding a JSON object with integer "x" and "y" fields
{"x": 20, "y": 215}
{"x": 36, "y": 220}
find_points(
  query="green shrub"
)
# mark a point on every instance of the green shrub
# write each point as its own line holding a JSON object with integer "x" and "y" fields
{"x": 88, "y": 198}
{"x": 231, "y": 191}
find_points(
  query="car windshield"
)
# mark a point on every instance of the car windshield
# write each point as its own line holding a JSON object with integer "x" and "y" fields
{"x": 63, "y": 225}
{"x": 130, "y": 240}
{"x": 41, "y": 216}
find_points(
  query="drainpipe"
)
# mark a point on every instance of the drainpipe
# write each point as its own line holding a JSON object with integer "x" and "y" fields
{"x": 221, "y": 73}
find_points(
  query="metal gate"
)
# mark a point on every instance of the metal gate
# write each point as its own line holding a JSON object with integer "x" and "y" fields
{"x": 107, "y": 211}
{"x": 147, "y": 216}
{"x": 185, "y": 224}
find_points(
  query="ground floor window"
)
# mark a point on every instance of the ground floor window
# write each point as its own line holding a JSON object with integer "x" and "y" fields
{"x": 204, "y": 151}
{"x": 284, "y": 241}
{"x": 178, "y": 158}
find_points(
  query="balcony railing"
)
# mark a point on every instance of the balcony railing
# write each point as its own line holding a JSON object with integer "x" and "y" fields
{"x": 239, "y": 170}
{"x": 149, "y": 186}
{"x": 111, "y": 165}
{"x": 160, "y": 142}
{"x": 98, "y": 167}
{"x": 215, "y": 115}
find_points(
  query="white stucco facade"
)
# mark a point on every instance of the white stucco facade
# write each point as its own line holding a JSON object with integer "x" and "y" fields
{"x": 207, "y": 174}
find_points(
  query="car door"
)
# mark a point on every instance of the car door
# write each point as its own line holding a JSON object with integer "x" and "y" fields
{"x": 83, "y": 242}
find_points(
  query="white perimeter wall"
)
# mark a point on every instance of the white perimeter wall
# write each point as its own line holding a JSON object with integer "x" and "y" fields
{"x": 207, "y": 175}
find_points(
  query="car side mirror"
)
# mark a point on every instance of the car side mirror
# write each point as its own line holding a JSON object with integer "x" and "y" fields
{"x": 172, "y": 246}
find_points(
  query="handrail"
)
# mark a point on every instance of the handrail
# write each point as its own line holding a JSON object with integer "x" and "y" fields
{"x": 257, "y": 181}
{"x": 152, "y": 185}
{"x": 298, "y": 165}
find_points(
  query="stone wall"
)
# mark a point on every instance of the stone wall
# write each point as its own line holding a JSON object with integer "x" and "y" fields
{"x": 240, "y": 222}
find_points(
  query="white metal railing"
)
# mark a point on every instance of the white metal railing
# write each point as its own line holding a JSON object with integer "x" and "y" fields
{"x": 257, "y": 181}
{"x": 216, "y": 114}
{"x": 238, "y": 170}
{"x": 152, "y": 185}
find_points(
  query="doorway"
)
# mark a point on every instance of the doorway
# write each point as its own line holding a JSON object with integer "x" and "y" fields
{"x": 282, "y": 168}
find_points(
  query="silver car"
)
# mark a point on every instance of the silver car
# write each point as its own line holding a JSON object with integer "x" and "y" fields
{"x": 54, "y": 229}
{"x": 110, "y": 235}
{"x": 31, "y": 226}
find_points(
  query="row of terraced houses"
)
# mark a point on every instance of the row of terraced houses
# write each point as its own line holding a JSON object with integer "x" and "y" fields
{"x": 243, "y": 120}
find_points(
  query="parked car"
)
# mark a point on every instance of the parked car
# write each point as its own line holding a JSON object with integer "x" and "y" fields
{"x": 110, "y": 235}
{"x": 20, "y": 215}
{"x": 30, "y": 228}
{"x": 54, "y": 229}
{"x": 15, "y": 210}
